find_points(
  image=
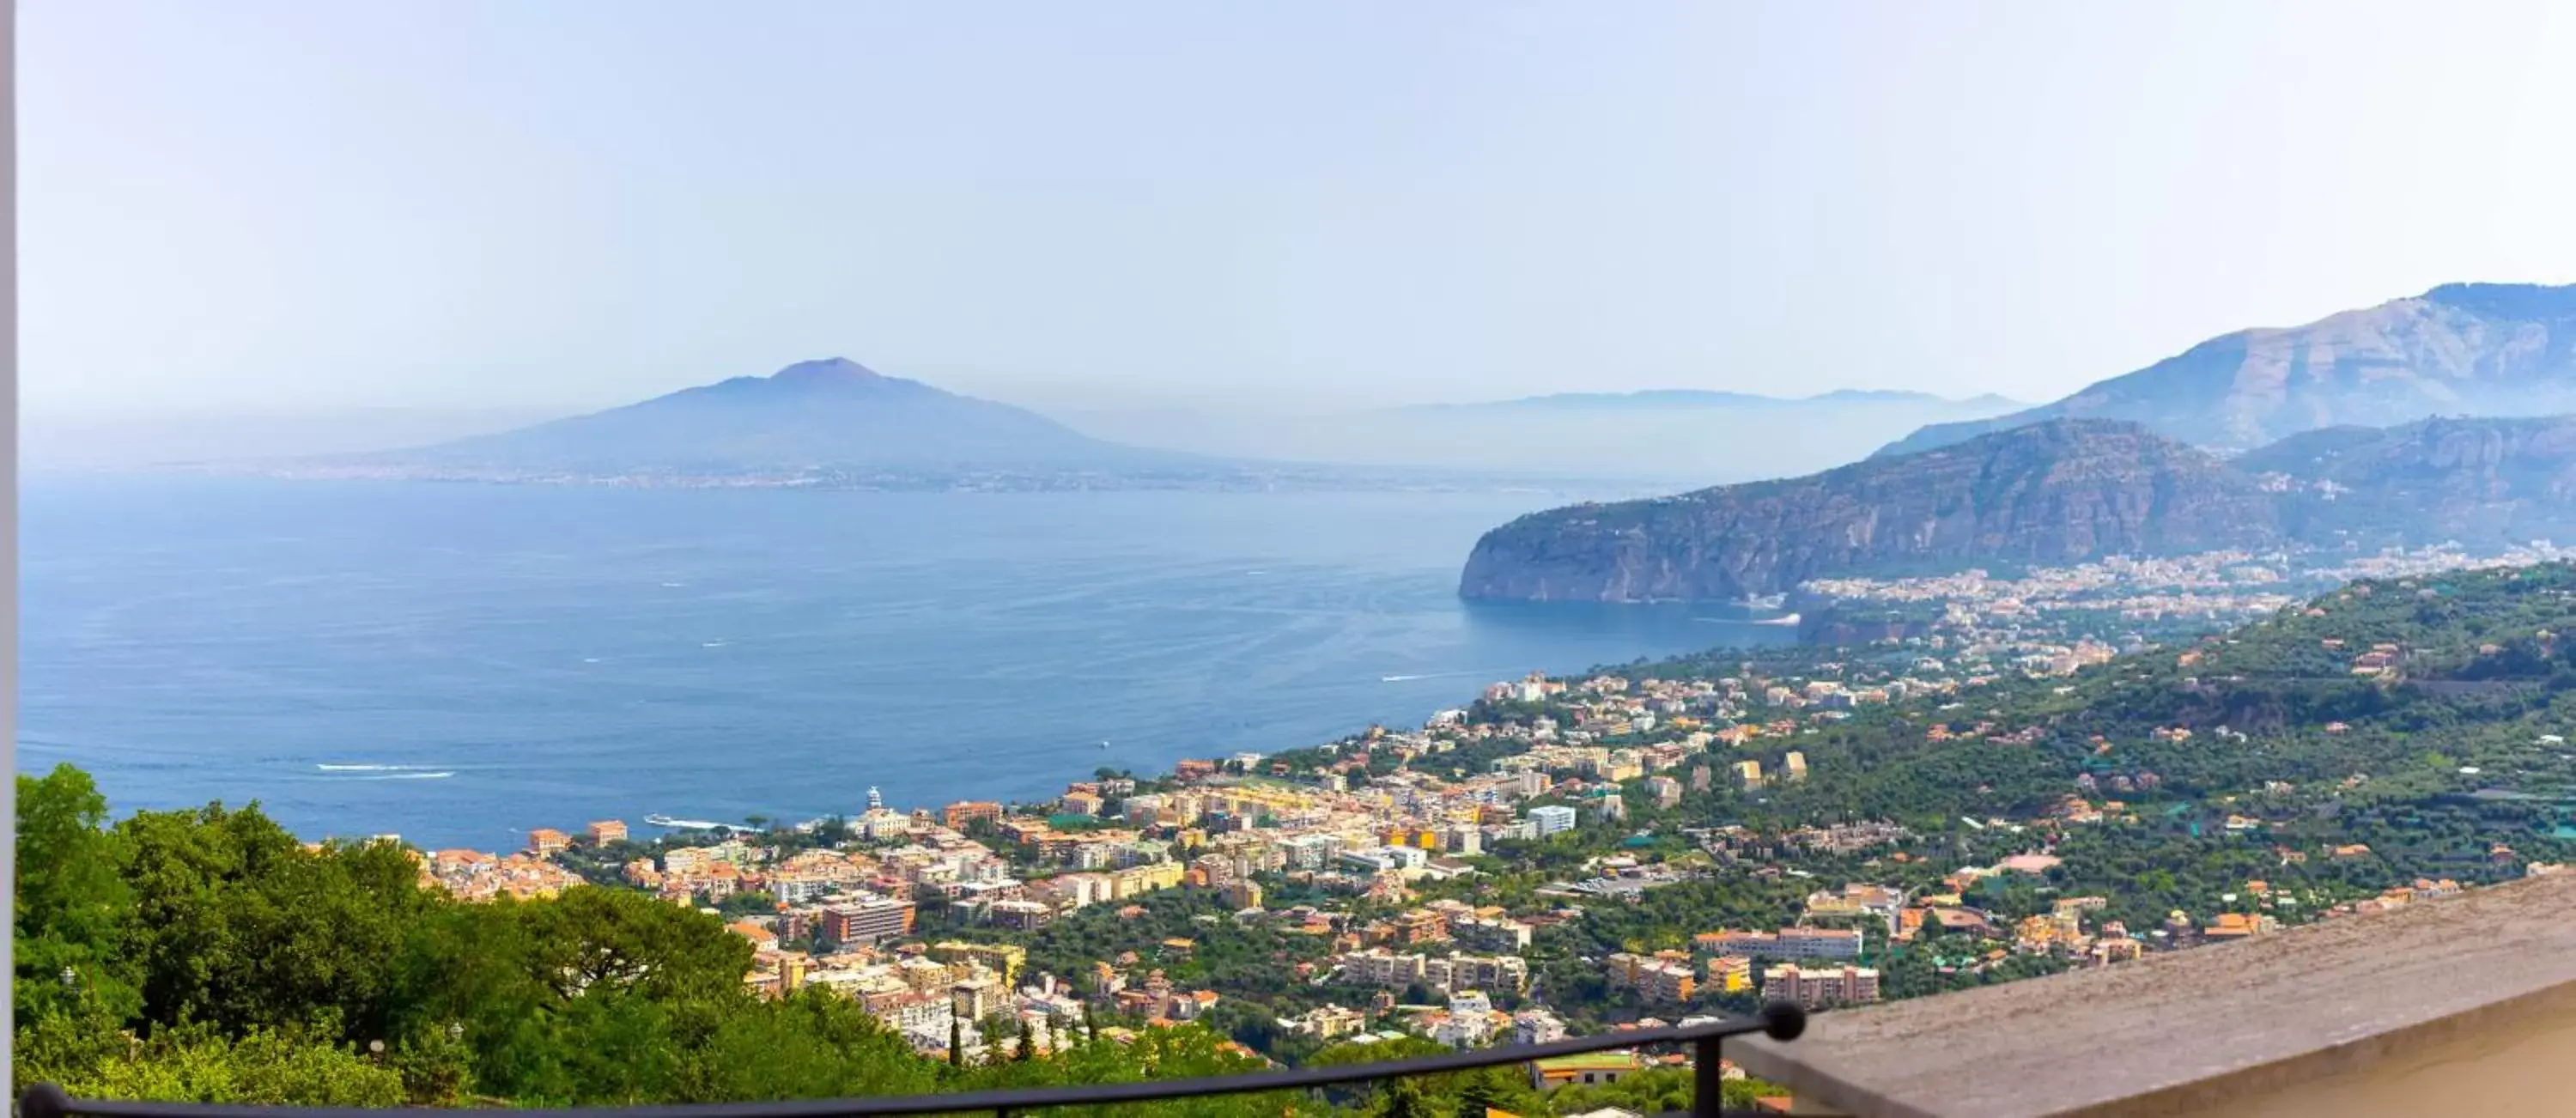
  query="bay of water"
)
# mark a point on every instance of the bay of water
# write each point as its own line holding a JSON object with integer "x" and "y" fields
{"x": 457, "y": 664}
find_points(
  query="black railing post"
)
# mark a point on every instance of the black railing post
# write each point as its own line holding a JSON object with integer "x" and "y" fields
{"x": 1708, "y": 1079}
{"x": 44, "y": 1100}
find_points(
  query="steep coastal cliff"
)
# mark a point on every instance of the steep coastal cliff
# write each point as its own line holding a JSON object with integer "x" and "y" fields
{"x": 2060, "y": 491}
{"x": 2053, "y": 492}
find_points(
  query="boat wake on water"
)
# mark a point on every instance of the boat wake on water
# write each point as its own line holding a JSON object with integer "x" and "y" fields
{"x": 1784, "y": 619}
{"x": 384, "y": 772}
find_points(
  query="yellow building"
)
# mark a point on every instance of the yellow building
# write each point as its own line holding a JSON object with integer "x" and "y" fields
{"x": 545, "y": 841}
{"x": 928, "y": 975}
{"x": 1004, "y": 959}
{"x": 1243, "y": 894}
{"x": 1137, "y": 880}
{"x": 1423, "y": 838}
{"x": 976, "y": 998}
{"x": 1245, "y": 799}
{"x": 1731, "y": 973}
{"x": 1749, "y": 773}
{"x": 1663, "y": 976}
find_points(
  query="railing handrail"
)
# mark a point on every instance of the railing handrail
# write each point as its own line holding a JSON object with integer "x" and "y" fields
{"x": 1781, "y": 1020}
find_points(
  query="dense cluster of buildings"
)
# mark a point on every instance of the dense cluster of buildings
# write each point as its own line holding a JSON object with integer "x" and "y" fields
{"x": 1448, "y": 973}
{"x": 842, "y": 915}
{"x": 478, "y": 876}
{"x": 2219, "y": 587}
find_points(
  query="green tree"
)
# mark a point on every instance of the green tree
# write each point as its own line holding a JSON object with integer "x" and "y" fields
{"x": 1475, "y": 1099}
{"x": 590, "y": 998}
{"x": 588, "y": 939}
{"x": 72, "y": 902}
{"x": 436, "y": 1070}
{"x": 750, "y": 902}
{"x": 200, "y": 1063}
{"x": 239, "y": 926}
{"x": 1174, "y": 1053}
{"x": 814, "y": 1045}
{"x": 1403, "y": 1099}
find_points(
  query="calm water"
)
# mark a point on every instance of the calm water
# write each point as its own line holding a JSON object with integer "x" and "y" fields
{"x": 459, "y": 663}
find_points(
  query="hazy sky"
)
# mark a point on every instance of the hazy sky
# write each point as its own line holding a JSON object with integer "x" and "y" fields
{"x": 550, "y": 203}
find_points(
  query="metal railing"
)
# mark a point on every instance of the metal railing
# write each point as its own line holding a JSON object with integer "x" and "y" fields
{"x": 1781, "y": 1020}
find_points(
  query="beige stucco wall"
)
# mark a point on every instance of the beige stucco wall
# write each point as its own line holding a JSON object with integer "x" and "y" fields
{"x": 2459, "y": 1006}
{"x": 2520, "y": 1067}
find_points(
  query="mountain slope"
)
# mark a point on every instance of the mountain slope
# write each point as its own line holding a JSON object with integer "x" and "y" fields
{"x": 2053, "y": 492}
{"x": 2475, "y": 349}
{"x": 2480, "y": 481}
{"x": 813, "y": 414}
{"x": 1657, "y": 398}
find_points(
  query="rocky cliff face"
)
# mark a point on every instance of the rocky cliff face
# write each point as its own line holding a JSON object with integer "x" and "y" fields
{"x": 2479, "y": 481}
{"x": 2460, "y": 349}
{"x": 2054, "y": 492}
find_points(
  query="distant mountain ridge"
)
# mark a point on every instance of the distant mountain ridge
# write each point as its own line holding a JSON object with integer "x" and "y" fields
{"x": 836, "y": 422}
{"x": 2458, "y": 349}
{"x": 2053, "y": 492}
{"x": 827, "y": 413}
{"x": 1661, "y": 436}
{"x": 1712, "y": 398}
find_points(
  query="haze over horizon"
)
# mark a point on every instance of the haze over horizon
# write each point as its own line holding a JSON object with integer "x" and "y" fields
{"x": 490, "y": 209}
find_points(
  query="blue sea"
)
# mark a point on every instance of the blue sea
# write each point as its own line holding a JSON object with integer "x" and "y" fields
{"x": 459, "y": 663}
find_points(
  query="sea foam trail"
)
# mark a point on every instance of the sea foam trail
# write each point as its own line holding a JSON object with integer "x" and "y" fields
{"x": 371, "y": 768}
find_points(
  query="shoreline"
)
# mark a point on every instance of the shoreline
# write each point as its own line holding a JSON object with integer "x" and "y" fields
{"x": 1085, "y": 760}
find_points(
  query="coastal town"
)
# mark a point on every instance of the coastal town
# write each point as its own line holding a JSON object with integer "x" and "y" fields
{"x": 1621, "y": 848}
{"x": 2191, "y": 591}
